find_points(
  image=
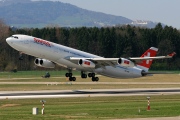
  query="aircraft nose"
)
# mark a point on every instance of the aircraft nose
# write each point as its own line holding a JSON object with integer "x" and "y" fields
{"x": 9, "y": 40}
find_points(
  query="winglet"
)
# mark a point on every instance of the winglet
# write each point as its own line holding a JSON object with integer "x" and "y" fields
{"x": 172, "y": 54}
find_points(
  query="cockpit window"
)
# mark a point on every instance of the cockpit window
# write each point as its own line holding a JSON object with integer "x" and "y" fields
{"x": 15, "y": 37}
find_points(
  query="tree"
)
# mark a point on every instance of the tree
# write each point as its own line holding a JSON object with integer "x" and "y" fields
{"x": 123, "y": 41}
{"x": 4, "y": 57}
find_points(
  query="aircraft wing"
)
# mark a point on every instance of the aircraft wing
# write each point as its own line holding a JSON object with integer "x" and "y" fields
{"x": 102, "y": 62}
{"x": 140, "y": 59}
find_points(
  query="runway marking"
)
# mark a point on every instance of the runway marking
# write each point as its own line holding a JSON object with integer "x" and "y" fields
{"x": 85, "y": 93}
{"x": 88, "y": 83}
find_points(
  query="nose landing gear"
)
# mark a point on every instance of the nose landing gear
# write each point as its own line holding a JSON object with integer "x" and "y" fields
{"x": 21, "y": 56}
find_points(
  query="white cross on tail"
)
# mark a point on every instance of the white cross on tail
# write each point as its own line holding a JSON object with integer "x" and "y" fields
{"x": 148, "y": 55}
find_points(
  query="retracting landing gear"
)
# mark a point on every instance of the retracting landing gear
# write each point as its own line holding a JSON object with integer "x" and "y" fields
{"x": 70, "y": 75}
{"x": 93, "y": 77}
{"x": 20, "y": 56}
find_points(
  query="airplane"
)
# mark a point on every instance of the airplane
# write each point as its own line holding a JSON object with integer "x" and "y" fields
{"x": 48, "y": 54}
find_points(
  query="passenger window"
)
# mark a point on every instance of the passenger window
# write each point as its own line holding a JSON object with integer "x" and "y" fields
{"x": 16, "y": 37}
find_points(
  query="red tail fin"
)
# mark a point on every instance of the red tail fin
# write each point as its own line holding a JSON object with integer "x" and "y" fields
{"x": 146, "y": 64}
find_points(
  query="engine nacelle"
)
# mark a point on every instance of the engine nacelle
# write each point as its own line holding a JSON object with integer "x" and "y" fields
{"x": 125, "y": 62}
{"x": 44, "y": 63}
{"x": 86, "y": 63}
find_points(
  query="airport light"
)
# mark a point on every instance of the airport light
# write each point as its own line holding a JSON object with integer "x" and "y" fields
{"x": 43, "y": 101}
{"x": 148, "y": 107}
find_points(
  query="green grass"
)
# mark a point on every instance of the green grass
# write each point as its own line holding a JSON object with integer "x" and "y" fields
{"x": 27, "y": 74}
{"x": 156, "y": 81}
{"x": 61, "y": 73}
{"x": 87, "y": 107}
{"x": 91, "y": 108}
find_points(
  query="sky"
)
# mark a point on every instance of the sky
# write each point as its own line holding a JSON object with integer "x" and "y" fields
{"x": 164, "y": 11}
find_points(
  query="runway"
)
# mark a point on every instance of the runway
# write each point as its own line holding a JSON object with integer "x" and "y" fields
{"x": 86, "y": 93}
{"x": 90, "y": 83}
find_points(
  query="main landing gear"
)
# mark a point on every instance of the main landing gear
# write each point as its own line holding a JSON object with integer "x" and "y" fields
{"x": 70, "y": 75}
{"x": 71, "y": 78}
{"x": 92, "y": 75}
{"x": 83, "y": 75}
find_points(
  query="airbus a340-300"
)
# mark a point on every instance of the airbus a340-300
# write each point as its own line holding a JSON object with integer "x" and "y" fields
{"x": 48, "y": 54}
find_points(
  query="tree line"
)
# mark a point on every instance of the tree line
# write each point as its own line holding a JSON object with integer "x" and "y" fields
{"x": 119, "y": 41}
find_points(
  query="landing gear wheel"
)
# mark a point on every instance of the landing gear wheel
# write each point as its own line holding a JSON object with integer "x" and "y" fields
{"x": 70, "y": 78}
{"x": 95, "y": 79}
{"x": 74, "y": 78}
{"x": 89, "y": 74}
{"x": 83, "y": 76}
{"x": 92, "y": 74}
{"x": 68, "y": 74}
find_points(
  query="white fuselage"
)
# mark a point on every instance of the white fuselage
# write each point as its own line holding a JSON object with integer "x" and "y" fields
{"x": 59, "y": 54}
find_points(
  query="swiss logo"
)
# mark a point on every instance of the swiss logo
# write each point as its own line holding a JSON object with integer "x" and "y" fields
{"x": 87, "y": 63}
{"x": 148, "y": 55}
{"x": 42, "y": 42}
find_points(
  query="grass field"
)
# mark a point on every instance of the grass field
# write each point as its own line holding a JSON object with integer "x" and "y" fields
{"x": 28, "y": 74}
{"x": 88, "y": 107}
{"x": 91, "y": 108}
{"x": 61, "y": 83}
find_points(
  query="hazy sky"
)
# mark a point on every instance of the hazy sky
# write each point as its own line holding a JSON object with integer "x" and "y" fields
{"x": 164, "y": 11}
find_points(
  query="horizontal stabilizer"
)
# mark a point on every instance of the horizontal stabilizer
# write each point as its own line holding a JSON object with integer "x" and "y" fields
{"x": 162, "y": 72}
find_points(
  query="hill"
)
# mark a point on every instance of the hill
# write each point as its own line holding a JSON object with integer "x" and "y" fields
{"x": 27, "y": 13}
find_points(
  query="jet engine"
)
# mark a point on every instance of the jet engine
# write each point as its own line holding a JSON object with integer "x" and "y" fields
{"x": 125, "y": 62}
{"x": 44, "y": 63}
{"x": 86, "y": 63}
